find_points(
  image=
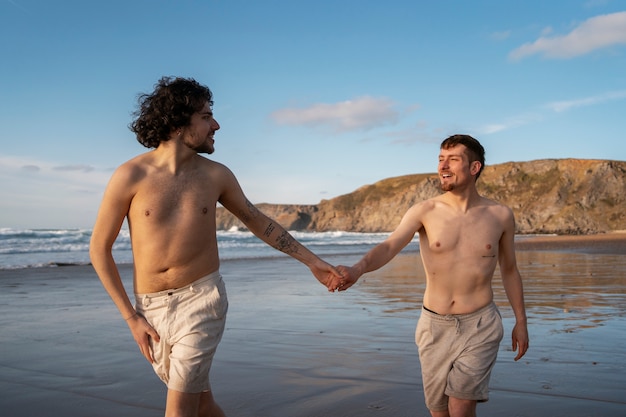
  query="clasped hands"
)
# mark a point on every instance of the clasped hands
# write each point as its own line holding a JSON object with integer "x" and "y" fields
{"x": 336, "y": 278}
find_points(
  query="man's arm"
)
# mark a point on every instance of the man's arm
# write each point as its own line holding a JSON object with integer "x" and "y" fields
{"x": 384, "y": 252}
{"x": 512, "y": 282}
{"x": 272, "y": 233}
{"x": 113, "y": 210}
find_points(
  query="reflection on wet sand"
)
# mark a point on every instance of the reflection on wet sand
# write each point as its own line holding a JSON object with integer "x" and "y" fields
{"x": 580, "y": 290}
{"x": 568, "y": 291}
{"x": 398, "y": 286}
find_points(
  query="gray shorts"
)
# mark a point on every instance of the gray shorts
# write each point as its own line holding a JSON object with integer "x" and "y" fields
{"x": 457, "y": 354}
{"x": 190, "y": 322}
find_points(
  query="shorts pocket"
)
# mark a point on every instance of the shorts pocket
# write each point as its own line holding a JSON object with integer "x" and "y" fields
{"x": 216, "y": 300}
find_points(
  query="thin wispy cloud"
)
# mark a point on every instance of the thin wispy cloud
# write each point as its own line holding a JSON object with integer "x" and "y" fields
{"x": 362, "y": 113}
{"x": 500, "y": 36}
{"x": 593, "y": 34}
{"x": 554, "y": 106}
{"x": 19, "y": 6}
{"x": 595, "y": 3}
{"x": 419, "y": 132}
{"x": 31, "y": 168}
{"x": 510, "y": 123}
{"x": 44, "y": 172}
{"x": 74, "y": 168}
{"x": 565, "y": 105}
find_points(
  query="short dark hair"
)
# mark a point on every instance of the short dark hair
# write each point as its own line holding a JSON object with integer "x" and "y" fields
{"x": 475, "y": 150}
{"x": 169, "y": 107}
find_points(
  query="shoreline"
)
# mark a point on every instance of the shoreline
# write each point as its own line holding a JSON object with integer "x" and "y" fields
{"x": 600, "y": 243}
{"x": 605, "y": 243}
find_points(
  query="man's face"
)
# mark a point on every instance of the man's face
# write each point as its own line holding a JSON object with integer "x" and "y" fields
{"x": 454, "y": 167}
{"x": 199, "y": 135}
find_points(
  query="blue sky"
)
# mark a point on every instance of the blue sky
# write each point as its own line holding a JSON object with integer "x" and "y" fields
{"x": 315, "y": 98}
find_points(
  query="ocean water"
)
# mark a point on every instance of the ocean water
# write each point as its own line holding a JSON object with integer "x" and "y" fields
{"x": 37, "y": 248}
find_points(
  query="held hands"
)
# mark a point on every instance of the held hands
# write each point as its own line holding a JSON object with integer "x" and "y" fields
{"x": 326, "y": 274}
{"x": 338, "y": 278}
{"x": 350, "y": 276}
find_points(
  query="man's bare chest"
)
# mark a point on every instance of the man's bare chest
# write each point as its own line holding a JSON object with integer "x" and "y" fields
{"x": 164, "y": 200}
{"x": 464, "y": 236}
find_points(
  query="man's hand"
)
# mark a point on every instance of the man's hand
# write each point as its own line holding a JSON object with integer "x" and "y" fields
{"x": 520, "y": 339}
{"x": 142, "y": 332}
{"x": 350, "y": 276}
{"x": 327, "y": 274}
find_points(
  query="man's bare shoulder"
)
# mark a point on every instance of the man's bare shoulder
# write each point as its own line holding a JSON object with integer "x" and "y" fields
{"x": 134, "y": 168}
{"x": 495, "y": 205}
{"x": 431, "y": 204}
{"x": 215, "y": 169}
{"x": 210, "y": 163}
{"x": 498, "y": 210}
{"x": 422, "y": 208}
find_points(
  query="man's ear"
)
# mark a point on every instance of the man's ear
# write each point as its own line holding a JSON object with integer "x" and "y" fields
{"x": 475, "y": 167}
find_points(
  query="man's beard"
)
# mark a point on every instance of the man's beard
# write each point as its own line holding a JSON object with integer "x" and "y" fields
{"x": 205, "y": 147}
{"x": 447, "y": 187}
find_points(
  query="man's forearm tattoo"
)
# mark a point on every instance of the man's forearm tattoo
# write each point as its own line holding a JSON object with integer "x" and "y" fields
{"x": 270, "y": 228}
{"x": 250, "y": 214}
{"x": 286, "y": 243}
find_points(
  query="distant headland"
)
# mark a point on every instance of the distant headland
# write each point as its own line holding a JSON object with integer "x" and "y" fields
{"x": 548, "y": 196}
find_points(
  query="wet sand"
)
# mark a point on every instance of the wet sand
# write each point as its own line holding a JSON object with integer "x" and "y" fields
{"x": 293, "y": 350}
{"x": 607, "y": 243}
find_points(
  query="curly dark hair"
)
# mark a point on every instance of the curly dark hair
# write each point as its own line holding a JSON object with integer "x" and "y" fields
{"x": 476, "y": 152}
{"x": 169, "y": 107}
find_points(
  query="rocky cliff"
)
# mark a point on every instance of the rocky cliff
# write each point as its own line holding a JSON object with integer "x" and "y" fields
{"x": 563, "y": 196}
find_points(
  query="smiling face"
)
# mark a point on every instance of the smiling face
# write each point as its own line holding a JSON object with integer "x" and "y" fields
{"x": 455, "y": 169}
{"x": 201, "y": 130}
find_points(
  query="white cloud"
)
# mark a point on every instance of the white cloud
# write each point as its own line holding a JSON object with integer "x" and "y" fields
{"x": 500, "y": 36}
{"x": 555, "y": 106}
{"x": 593, "y": 34}
{"x": 359, "y": 114}
{"x": 510, "y": 123}
{"x": 31, "y": 168}
{"x": 493, "y": 128}
{"x": 595, "y": 3}
{"x": 79, "y": 168}
{"x": 35, "y": 192}
{"x": 565, "y": 105}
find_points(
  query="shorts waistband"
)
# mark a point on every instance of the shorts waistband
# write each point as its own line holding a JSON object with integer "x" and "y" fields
{"x": 212, "y": 277}
{"x": 458, "y": 317}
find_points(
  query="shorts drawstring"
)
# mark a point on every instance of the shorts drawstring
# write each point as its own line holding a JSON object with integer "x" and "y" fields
{"x": 457, "y": 321}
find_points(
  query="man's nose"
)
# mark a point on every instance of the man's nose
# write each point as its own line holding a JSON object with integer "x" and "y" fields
{"x": 216, "y": 126}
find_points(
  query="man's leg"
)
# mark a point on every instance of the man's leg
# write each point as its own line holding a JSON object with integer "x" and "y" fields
{"x": 457, "y": 408}
{"x": 182, "y": 404}
{"x": 208, "y": 406}
{"x": 461, "y": 408}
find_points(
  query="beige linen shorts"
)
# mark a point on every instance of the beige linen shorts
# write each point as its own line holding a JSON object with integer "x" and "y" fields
{"x": 457, "y": 354}
{"x": 190, "y": 322}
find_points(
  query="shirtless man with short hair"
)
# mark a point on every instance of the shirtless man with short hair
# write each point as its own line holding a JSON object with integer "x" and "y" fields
{"x": 463, "y": 236}
{"x": 169, "y": 197}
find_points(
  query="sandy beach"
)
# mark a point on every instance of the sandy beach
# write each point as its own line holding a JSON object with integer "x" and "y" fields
{"x": 291, "y": 349}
